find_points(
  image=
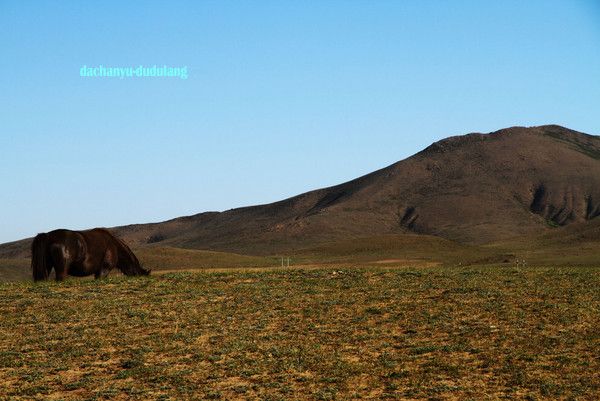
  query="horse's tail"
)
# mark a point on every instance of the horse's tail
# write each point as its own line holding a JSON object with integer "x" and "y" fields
{"x": 39, "y": 251}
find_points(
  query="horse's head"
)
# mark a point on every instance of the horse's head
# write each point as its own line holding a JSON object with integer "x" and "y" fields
{"x": 133, "y": 267}
{"x": 144, "y": 271}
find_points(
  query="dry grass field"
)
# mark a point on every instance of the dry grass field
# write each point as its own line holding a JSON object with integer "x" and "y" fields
{"x": 15, "y": 269}
{"x": 471, "y": 333}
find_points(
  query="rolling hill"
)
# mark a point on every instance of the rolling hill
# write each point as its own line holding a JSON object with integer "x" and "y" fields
{"x": 498, "y": 188}
{"x": 473, "y": 189}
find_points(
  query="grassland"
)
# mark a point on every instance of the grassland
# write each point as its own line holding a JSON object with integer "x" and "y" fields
{"x": 569, "y": 246}
{"x": 16, "y": 269}
{"x": 167, "y": 258}
{"x": 474, "y": 333}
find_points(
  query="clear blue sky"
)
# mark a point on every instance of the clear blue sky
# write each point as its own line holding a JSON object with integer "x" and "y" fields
{"x": 282, "y": 97}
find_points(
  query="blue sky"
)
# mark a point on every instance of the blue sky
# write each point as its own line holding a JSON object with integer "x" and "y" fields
{"x": 282, "y": 97}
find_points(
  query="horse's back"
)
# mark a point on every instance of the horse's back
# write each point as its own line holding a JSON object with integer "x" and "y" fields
{"x": 60, "y": 233}
{"x": 64, "y": 237}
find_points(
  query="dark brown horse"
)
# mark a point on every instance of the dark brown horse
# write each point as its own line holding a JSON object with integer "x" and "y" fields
{"x": 81, "y": 253}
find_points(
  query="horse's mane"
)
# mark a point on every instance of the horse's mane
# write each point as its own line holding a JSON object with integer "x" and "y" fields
{"x": 133, "y": 265}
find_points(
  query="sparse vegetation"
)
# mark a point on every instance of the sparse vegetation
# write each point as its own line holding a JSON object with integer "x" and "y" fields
{"x": 15, "y": 269}
{"x": 178, "y": 258}
{"x": 577, "y": 143}
{"x": 427, "y": 333}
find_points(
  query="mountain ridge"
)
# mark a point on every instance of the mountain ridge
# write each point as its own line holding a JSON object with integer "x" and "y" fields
{"x": 474, "y": 189}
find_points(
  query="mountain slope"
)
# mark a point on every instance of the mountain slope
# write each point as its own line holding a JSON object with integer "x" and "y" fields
{"x": 473, "y": 189}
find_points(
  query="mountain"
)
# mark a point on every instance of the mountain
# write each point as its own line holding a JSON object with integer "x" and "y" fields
{"x": 472, "y": 189}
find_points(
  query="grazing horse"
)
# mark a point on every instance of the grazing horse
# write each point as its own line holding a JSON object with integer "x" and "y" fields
{"x": 82, "y": 253}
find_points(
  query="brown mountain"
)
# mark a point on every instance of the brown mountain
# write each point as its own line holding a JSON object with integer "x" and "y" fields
{"x": 472, "y": 189}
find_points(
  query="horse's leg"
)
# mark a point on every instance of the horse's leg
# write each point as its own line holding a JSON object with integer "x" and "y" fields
{"x": 103, "y": 272}
{"x": 108, "y": 264}
{"x": 61, "y": 269}
{"x": 61, "y": 262}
